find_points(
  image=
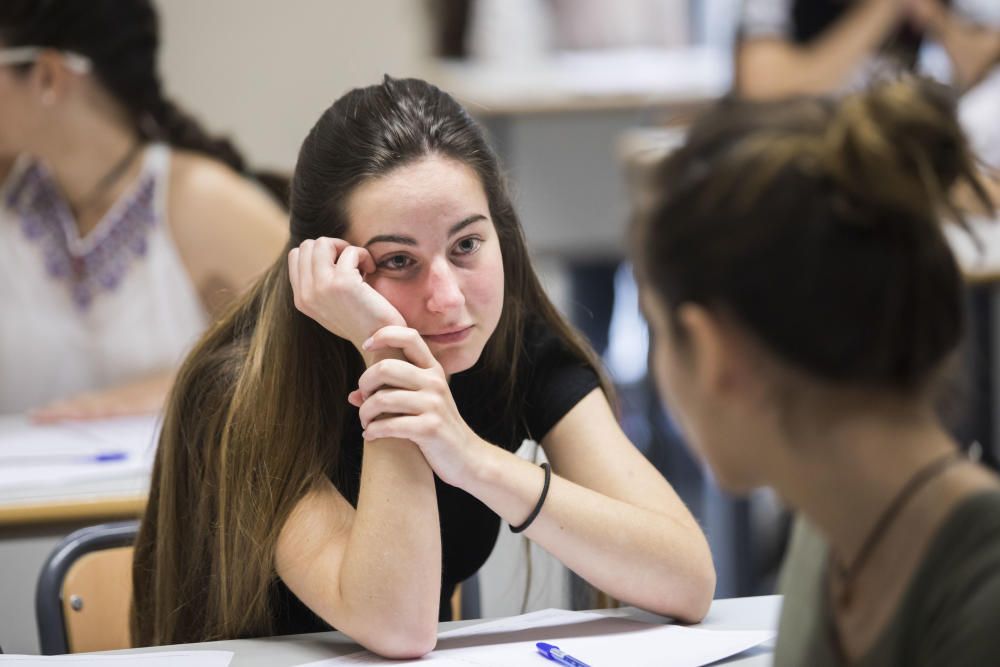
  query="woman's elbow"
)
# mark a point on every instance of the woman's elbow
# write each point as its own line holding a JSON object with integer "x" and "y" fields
{"x": 699, "y": 597}
{"x": 688, "y": 599}
{"x": 411, "y": 642}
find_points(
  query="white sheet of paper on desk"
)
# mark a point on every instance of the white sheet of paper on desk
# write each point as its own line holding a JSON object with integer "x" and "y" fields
{"x": 153, "y": 659}
{"x": 36, "y": 456}
{"x": 600, "y": 641}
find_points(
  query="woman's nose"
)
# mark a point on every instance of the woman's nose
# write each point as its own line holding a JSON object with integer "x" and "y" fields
{"x": 445, "y": 293}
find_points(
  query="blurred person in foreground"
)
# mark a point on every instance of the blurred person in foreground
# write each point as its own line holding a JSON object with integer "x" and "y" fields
{"x": 811, "y": 363}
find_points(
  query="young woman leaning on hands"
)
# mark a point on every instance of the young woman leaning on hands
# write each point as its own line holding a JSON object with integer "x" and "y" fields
{"x": 338, "y": 450}
{"x": 805, "y": 307}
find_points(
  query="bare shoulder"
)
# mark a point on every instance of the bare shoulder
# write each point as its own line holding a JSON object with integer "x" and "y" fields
{"x": 200, "y": 186}
{"x": 228, "y": 230}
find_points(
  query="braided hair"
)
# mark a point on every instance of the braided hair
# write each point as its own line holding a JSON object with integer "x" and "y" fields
{"x": 121, "y": 40}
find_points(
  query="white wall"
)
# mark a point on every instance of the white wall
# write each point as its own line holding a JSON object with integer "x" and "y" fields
{"x": 264, "y": 70}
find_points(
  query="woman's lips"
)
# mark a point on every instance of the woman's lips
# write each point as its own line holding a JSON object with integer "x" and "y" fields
{"x": 456, "y": 336}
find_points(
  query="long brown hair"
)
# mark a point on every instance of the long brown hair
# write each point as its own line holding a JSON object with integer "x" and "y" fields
{"x": 253, "y": 417}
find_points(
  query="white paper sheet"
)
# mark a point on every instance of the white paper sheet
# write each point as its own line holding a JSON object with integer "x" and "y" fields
{"x": 157, "y": 659}
{"x": 42, "y": 460}
{"x": 599, "y": 641}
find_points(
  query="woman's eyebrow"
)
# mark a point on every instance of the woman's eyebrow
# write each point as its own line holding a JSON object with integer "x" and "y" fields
{"x": 392, "y": 238}
{"x": 456, "y": 228}
{"x": 410, "y": 241}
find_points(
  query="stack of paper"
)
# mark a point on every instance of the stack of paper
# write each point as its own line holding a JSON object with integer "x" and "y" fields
{"x": 37, "y": 461}
{"x": 595, "y": 639}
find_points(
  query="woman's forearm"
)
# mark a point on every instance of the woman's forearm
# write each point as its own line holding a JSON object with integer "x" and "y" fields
{"x": 653, "y": 560}
{"x": 971, "y": 49}
{"x": 390, "y": 579}
{"x": 775, "y": 68}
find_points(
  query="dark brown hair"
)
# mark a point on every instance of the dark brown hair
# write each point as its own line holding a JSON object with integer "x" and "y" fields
{"x": 121, "y": 39}
{"x": 252, "y": 421}
{"x": 816, "y": 224}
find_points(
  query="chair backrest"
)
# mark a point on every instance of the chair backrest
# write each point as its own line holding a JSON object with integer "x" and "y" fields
{"x": 84, "y": 590}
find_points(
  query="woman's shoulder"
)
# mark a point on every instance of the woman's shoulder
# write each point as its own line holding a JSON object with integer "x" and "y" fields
{"x": 200, "y": 185}
{"x": 968, "y": 543}
{"x": 544, "y": 340}
{"x": 226, "y": 228}
{"x": 956, "y": 595}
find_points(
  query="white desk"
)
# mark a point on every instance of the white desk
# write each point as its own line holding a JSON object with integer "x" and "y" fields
{"x": 757, "y": 613}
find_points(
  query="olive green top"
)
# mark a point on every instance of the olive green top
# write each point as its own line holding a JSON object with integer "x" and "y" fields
{"x": 950, "y": 613}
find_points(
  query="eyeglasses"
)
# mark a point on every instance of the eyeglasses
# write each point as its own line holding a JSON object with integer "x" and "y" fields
{"x": 22, "y": 55}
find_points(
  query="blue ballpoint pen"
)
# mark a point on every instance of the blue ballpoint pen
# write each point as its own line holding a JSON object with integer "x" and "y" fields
{"x": 555, "y": 655}
{"x": 63, "y": 457}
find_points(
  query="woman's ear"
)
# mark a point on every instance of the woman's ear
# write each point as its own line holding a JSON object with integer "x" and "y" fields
{"x": 719, "y": 362}
{"x": 50, "y": 77}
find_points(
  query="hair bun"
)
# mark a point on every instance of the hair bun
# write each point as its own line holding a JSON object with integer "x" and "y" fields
{"x": 898, "y": 140}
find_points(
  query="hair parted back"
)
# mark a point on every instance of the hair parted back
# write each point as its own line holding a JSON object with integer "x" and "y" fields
{"x": 816, "y": 224}
{"x": 121, "y": 38}
{"x": 253, "y": 418}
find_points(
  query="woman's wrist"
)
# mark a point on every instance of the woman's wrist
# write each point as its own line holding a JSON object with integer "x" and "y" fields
{"x": 484, "y": 467}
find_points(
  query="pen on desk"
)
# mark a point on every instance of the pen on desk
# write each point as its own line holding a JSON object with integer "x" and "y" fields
{"x": 554, "y": 654}
{"x": 53, "y": 459}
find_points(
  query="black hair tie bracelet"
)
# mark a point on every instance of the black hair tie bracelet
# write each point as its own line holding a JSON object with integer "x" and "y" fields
{"x": 538, "y": 505}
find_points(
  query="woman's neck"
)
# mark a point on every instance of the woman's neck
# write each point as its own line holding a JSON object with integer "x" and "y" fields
{"x": 81, "y": 153}
{"x": 844, "y": 478}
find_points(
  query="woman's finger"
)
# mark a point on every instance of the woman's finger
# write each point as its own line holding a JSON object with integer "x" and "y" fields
{"x": 408, "y": 340}
{"x": 407, "y": 427}
{"x": 356, "y": 259}
{"x": 356, "y": 398}
{"x": 393, "y": 402}
{"x": 306, "y": 284}
{"x": 324, "y": 260}
{"x": 339, "y": 245}
{"x": 293, "y": 269}
{"x": 394, "y": 373}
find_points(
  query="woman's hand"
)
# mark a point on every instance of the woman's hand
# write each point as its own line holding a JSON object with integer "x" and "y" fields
{"x": 411, "y": 400}
{"x": 145, "y": 396}
{"x": 328, "y": 281}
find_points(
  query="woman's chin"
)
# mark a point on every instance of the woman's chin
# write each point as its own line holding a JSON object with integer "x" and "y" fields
{"x": 456, "y": 361}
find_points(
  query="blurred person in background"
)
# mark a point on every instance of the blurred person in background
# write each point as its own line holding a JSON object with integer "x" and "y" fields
{"x": 790, "y": 47}
{"x": 794, "y": 47}
{"x": 124, "y": 227}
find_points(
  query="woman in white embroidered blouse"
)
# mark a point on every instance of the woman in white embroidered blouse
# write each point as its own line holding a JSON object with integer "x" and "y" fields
{"x": 123, "y": 226}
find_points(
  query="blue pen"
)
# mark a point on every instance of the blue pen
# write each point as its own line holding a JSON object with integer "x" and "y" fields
{"x": 55, "y": 459}
{"x": 105, "y": 457}
{"x": 554, "y": 654}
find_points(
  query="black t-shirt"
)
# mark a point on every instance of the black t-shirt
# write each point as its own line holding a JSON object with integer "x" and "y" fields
{"x": 551, "y": 381}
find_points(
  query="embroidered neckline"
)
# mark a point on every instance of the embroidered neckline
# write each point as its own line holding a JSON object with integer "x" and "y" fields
{"x": 98, "y": 262}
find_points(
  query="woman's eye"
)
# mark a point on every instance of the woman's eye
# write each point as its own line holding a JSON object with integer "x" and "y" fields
{"x": 396, "y": 262}
{"x": 468, "y": 246}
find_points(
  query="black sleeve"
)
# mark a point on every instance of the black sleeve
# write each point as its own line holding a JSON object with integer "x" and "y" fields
{"x": 555, "y": 381}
